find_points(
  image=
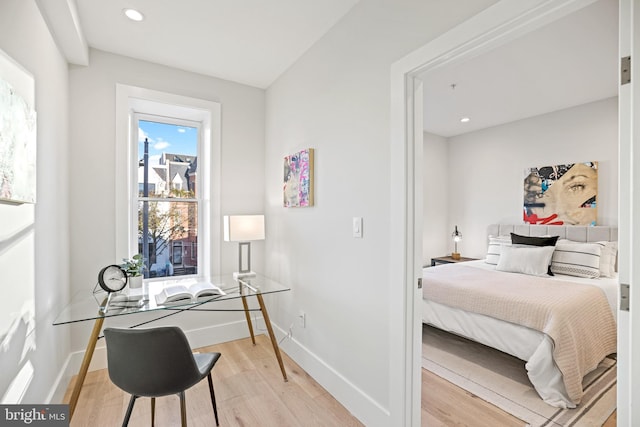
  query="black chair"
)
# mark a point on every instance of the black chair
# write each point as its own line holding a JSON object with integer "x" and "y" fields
{"x": 156, "y": 362}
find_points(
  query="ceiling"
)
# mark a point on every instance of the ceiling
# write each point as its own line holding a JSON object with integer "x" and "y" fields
{"x": 246, "y": 41}
{"x": 569, "y": 62}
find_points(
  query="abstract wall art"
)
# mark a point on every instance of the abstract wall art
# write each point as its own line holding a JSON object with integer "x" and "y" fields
{"x": 561, "y": 194}
{"x": 298, "y": 179}
{"x": 17, "y": 134}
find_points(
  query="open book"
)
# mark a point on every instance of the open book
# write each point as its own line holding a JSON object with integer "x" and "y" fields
{"x": 187, "y": 291}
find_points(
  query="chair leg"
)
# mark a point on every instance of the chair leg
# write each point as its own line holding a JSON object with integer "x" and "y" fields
{"x": 183, "y": 410}
{"x": 132, "y": 401}
{"x": 213, "y": 398}
{"x": 153, "y": 412}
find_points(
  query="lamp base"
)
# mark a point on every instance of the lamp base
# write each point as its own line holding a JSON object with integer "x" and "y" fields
{"x": 238, "y": 275}
{"x": 455, "y": 255}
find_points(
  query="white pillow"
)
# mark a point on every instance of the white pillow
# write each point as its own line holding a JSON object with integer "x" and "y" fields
{"x": 608, "y": 258}
{"x": 577, "y": 259}
{"x": 495, "y": 248}
{"x": 532, "y": 260}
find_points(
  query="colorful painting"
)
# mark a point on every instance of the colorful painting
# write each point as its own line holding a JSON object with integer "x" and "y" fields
{"x": 298, "y": 179}
{"x": 17, "y": 136}
{"x": 561, "y": 194}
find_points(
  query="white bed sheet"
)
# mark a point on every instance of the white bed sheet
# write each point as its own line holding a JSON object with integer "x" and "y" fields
{"x": 534, "y": 347}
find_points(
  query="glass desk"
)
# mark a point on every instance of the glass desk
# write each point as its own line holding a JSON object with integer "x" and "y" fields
{"x": 98, "y": 305}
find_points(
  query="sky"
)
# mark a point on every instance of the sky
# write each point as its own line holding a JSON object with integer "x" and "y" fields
{"x": 167, "y": 138}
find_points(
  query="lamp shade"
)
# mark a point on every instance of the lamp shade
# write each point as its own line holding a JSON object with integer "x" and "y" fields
{"x": 243, "y": 228}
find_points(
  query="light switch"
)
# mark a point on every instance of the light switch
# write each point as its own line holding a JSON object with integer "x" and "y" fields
{"x": 357, "y": 227}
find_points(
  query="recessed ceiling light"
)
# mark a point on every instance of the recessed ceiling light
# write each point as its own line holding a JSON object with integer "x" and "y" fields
{"x": 465, "y": 119}
{"x": 133, "y": 14}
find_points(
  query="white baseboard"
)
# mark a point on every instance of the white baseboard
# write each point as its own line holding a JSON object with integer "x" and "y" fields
{"x": 59, "y": 388}
{"x": 362, "y": 406}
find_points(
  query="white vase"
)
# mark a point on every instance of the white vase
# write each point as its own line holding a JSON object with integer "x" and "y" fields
{"x": 135, "y": 282}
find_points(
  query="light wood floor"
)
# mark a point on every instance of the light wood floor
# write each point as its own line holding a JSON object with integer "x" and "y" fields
{"x": 250, "y": 392}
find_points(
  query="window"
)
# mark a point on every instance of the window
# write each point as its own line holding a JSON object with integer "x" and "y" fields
{"x": 185, "y": 203}
{"x": 167, "y": 203}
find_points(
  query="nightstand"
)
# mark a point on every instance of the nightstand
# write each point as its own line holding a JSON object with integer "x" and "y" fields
{"x": 448, "y": 260}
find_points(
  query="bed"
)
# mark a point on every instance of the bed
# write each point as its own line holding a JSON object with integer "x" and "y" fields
{"x": 495, "y": 301}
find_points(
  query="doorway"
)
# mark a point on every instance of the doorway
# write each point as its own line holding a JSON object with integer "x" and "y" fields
{"x": 494, "y": 27}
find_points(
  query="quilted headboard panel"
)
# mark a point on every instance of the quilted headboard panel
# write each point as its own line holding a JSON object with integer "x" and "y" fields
{"x": 576, "y": 233}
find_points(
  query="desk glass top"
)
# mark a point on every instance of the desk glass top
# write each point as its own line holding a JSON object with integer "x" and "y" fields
{"x": 88, "y": 305}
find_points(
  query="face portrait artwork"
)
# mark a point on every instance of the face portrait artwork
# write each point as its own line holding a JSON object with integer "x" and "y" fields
{"x": 561, "y": 194}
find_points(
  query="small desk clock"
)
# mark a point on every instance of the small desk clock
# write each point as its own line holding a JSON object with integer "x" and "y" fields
{"x": 112, "y": 278}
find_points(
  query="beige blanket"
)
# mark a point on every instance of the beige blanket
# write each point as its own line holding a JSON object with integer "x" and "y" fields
{"x": 577, "y": 317}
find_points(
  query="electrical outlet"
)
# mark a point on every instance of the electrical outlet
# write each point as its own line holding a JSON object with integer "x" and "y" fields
{"x": 302, "y": 318}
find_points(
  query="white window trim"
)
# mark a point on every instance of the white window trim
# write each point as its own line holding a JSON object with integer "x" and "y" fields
{"x": 132, "y": 99}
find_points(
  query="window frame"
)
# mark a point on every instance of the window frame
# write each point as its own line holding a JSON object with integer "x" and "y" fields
{"x": 132, "y": 100}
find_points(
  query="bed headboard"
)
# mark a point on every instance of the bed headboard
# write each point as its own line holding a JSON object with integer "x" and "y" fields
{"x": 577, "y": 233}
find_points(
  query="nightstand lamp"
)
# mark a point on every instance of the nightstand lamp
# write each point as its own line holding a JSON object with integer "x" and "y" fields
{"x": 456, "y": 236}
{"x": 243, "y": 229}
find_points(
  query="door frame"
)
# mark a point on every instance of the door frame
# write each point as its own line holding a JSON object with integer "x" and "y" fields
{"x": 502, "y": 22}
{"x": 629, "y": 210}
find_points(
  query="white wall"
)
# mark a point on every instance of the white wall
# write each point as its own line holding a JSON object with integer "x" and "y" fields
{"x": 486, "y": 168}
{"x": 336, "y": 99}
{"x": 34, "y": 238}
{"x": 92, "y": 166}
{"x": 436, "y": 233}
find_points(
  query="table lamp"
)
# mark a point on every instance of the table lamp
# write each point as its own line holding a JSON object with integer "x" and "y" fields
{"x": 456, "y": 236}
{"x": 243, "y": 229}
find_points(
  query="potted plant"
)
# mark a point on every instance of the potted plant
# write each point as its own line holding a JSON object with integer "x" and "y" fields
{"x": 134, "y": 267}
